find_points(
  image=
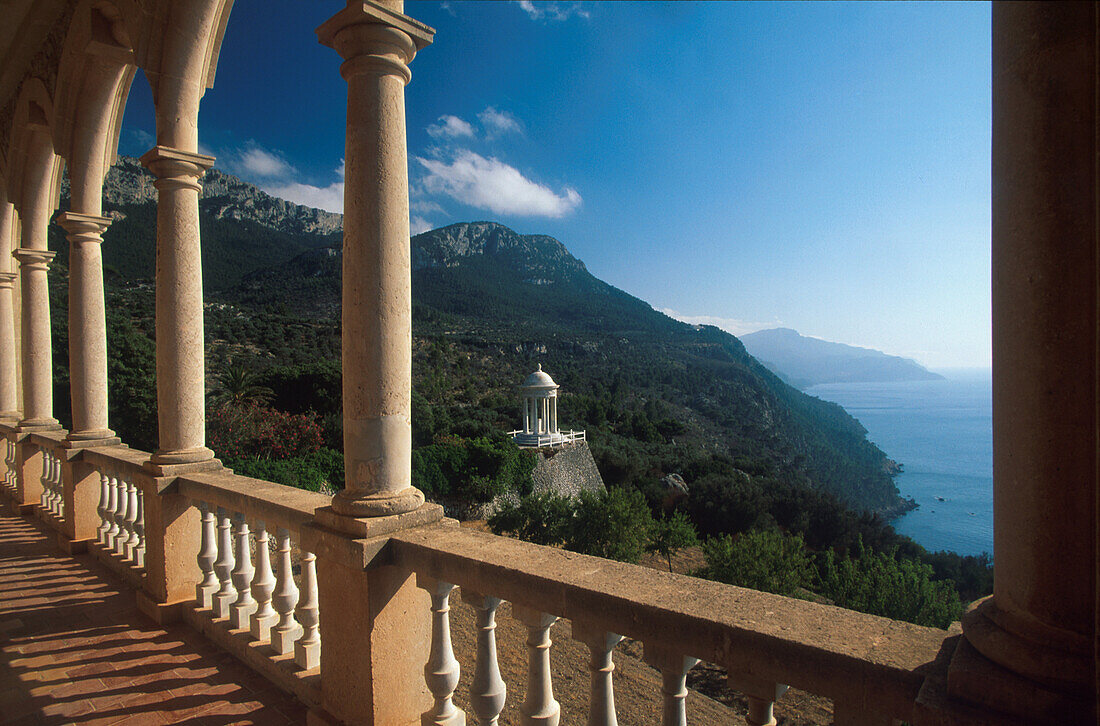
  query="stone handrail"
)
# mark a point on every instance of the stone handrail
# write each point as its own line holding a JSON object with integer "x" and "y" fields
{"x": 872, "y": 667}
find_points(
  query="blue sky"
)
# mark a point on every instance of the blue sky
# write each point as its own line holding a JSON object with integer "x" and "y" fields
{"x": 817, "y": 166}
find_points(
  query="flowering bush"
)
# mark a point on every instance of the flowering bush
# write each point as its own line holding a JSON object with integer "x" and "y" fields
{"x": 250, "y": 429}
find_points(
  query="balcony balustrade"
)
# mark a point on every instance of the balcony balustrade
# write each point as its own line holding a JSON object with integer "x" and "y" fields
{"x": 255, "y": 594}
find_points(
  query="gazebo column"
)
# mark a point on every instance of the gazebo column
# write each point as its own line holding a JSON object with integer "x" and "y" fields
{"x": 1030, "y": 648}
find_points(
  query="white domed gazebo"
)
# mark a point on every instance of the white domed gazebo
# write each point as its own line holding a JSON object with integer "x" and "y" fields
{"x": 540, "y": 413}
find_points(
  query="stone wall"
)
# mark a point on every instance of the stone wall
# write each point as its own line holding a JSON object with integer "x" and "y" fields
{"x": 567, "y": 470}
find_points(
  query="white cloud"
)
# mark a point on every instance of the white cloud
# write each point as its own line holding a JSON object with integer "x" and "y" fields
{"x": 451, "y": 127}
{"x": 733, "y": 326}
{"x": 260, "y": 162}
{"x": 499, "y": 122}
{"x": 426, "y": 206}
{"x": 143, "y": 138}
{"x": 553, "y": 10}
{"x": 330, "y": 198}
{"x": 419, "y": 224}
{"x": 495, "y": 186}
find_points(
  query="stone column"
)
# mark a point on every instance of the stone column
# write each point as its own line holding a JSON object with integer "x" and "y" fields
{"x": 1036, "y": 634}
{"x": 87, "y": 327}
{"x": 37, "y": 353}
{"x": 181, "y": 399}
{"x": 9, "y": 362}
{"x": 377, "y": 43}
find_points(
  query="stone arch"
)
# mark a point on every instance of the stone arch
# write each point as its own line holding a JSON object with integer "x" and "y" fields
{"x": 96, "y": 70}
{"x": 180, "y": 64}
{"x": 34, "y": 166}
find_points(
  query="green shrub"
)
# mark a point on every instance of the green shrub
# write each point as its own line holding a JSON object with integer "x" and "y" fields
{"x": 767, "y": 560}
{"x": 544, "y": 518}
{"x": 615, "y": 524}
{"x": 888, "y": 585}
{"x": 308, "y": 472}
{"x": 475, "y": 470}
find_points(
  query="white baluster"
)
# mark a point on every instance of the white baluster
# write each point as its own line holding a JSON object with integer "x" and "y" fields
{"x": 208, "y": 553}
{"x": 487, "y": 691}
{"x": 121, "y": 514}
{"x": 263, "y": 584}
{"x": 129, "y": 546}
{"x": 139, "y": 530}
{"x": 601, "y": 666}
{"x": 223, "y": 566}
{"x": 674, "y": 667}
{"x": 287, "y": 630}
{"x": 307, "y": 651}
{"x": 58, "y": 487}
{"x": 44, "y": 498}
{"x": 112, "y": 510}
{"x": 539, "y": 707}
{"x": 442, "y": 671}
{"x": 244, "y": 605}
{"x": 104, "y": 506}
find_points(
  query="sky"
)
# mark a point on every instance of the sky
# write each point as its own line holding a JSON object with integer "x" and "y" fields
{"x": 818, "y": 166}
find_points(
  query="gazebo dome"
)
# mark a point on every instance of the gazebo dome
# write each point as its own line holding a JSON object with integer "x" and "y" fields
{"x": 540, "y": 413}
{"x": 539, "y": 380}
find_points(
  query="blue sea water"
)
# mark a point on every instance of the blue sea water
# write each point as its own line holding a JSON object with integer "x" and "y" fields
{"x": 942, "y": 433}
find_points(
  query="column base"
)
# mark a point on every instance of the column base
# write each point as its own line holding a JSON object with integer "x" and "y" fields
{"x": 1058, "y": 659}
{"x": 90, "y": 439}
{"x": 975, "y": 680}
{"x": 367, "y": 527}
{"x": 356, "y": 503}
{"x": 159, "y": 469}
{"x": 29, "y": 425}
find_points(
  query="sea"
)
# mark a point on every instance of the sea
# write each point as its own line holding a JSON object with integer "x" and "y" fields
{"x": 942, "y": 434}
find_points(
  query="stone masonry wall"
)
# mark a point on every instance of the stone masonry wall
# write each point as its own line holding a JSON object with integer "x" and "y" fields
{"x": 567, "y": 470}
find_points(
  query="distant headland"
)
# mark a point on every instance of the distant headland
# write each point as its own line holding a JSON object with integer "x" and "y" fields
{"x": 803, "y": 361}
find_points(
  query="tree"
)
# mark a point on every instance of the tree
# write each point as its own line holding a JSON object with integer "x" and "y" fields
{"x": 236, "y": 385}
{"x": 881, "y": 583}
{"x": 615, "y": 523}
{"x": 671, "y": 534}
{"x": 767, "y": 560}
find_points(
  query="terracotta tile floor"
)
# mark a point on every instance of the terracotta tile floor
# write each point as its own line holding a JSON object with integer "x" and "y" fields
{"x": 74, "y": 649}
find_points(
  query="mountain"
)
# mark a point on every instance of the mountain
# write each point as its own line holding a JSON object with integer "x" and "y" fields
{"x": 488, "y": 303}
{"x": 657, "y": 396}
{"x": 803, "y": 361}
{"x": 243, "y": 228}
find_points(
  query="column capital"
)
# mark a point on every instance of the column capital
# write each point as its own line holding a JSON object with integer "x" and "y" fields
{"x": 175, "y": 168}
{"x": 83, "y": 227}
{"x": 33, "y": 259}
{"x": 7, "y": 280}
{"x": 373, "y": 38}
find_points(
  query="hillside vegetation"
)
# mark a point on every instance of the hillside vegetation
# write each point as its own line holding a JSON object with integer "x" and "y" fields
{"x": 656, "y": 396}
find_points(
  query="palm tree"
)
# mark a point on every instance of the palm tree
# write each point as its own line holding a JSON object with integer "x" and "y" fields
{"x": 236, "y": 385}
